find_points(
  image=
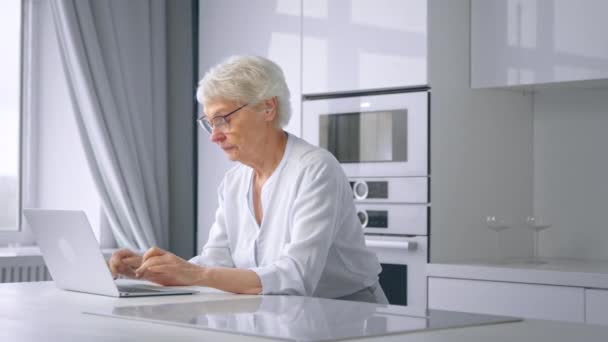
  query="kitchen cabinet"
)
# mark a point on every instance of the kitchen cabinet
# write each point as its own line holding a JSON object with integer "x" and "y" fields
{"x": 522, "y": 42}
{"x": 350, "y": 45}
{"x": 596, "y": 306}
{"x": 560, "y": 303}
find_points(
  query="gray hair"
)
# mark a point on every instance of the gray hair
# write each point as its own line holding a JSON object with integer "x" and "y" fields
{"x": 246, "y": 79}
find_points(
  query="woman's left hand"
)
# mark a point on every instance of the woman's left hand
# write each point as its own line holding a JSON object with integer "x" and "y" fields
{"x": 165, "y": 268}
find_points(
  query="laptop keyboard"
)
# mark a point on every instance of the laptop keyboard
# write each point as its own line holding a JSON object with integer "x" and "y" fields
{"x": 136, "y": 289}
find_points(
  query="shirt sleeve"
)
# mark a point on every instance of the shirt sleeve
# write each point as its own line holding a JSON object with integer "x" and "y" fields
{"x": 216, "y": 251}
{"x": 315, "y": 222}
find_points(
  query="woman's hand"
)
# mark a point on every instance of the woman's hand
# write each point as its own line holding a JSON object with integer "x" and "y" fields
{"x": 124, "y": 262}
{"x": 165, "y": 268}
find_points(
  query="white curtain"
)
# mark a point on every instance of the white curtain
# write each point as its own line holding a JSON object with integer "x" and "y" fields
{"x": 114, "y": 59}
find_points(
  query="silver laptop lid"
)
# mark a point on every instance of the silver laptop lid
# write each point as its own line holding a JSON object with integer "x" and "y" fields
{"x": 71, "y": 251}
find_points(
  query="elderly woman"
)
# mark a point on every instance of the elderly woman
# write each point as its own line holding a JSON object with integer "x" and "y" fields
{"x": 286, "y": 222}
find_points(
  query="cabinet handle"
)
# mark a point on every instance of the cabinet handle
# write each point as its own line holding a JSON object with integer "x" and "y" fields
{"x": 407, "y": 245}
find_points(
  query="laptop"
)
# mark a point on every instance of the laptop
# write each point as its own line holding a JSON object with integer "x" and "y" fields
{"x": 74, "y": 259}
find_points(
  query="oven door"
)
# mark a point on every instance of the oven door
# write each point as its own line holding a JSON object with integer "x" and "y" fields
{"x": 372, "y": 135}
{"x": 403, "y": 261}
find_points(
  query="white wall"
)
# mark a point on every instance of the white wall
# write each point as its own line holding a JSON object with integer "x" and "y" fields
{"x": 481, "y": 149}
{"x": 571, "y": 166}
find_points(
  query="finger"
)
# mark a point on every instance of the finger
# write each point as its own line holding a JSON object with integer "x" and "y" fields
{"x": 112, "y": 268}
{"x": 152, "y": 261}
{"x": 157, "y": 269}
{"x": 123, "y": 253}
{"x": 115, "y": 265}
{"x": 119, "y": 255}
{"x": 126, "y": 270}
{"x": 158, "y": 278}
{"x": 160, "y": 274}
{"x": 133, "y": 262}
{"x": 152, "y": 252}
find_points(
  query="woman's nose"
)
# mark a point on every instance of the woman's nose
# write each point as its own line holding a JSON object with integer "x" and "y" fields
{"x": 217, "y": 136}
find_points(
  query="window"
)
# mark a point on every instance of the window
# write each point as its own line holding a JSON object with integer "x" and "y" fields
{"x": 42, "y": 161}
{"x": 10, "y": 113}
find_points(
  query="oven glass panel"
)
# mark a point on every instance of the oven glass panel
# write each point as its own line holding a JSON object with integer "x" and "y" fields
{"x": 379, "y": 136}
{"x": 393, "y": 280}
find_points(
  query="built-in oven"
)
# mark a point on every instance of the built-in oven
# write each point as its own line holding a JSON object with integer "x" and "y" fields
{"x": 381, "y": 142}
{"x": 403, "y": 261}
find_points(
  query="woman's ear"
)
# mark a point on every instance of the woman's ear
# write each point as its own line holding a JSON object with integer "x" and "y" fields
{"x": 270, "y": 109}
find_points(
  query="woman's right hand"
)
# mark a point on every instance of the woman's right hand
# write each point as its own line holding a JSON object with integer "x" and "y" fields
{"x": 124, "y": 262}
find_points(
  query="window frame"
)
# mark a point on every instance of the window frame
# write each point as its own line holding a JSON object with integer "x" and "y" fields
{"x": 22, "y": 113}
{"x": 20, "y": 166}
{"x": 27, "y": 145}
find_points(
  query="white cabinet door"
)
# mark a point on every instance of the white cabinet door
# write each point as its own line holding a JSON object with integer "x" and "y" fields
{"x": 265, "y": 28}
{"x": 560, "y": 303}
{"x": 353, "y": 45}
{"x": 523, "y": 42}
{"x": 596, "y": 306}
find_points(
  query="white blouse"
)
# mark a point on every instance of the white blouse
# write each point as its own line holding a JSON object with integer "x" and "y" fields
{"x": 310, "y": 241}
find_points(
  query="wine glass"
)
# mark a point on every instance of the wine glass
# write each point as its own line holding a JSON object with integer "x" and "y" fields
{"x": 497, "y": 225}
{"x": 536, "y": 224}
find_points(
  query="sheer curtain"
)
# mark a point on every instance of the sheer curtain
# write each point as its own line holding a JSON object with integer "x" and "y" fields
{"x": 114, "y": 58}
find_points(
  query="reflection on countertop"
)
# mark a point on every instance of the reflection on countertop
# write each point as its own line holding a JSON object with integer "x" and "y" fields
{"x": 300, "y": 318}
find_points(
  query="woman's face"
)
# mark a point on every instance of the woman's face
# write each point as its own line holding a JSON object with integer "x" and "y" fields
{"x": 244, "y": 133}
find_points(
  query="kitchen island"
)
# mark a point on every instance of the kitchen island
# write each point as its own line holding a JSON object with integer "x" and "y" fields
{"x": 38, "y": 311}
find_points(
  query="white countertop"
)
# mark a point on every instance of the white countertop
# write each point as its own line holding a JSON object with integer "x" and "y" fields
{"x": 40, "y": 312}
{"x": 564, "y": 272}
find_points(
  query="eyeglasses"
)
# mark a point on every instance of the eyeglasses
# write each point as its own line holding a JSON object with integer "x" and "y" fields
{"x": 219, "y": 122}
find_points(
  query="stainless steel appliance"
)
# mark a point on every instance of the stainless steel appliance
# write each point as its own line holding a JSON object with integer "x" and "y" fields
{"x": 381, "y": 141}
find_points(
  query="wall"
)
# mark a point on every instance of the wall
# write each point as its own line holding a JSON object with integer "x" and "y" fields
{"x": 481, "y": 149}
{"x": 571, "y": 164}
{"x": 181, "y": 127}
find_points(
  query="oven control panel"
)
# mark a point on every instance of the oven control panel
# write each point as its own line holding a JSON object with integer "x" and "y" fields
{"x": 392, "y": 205}
{"x": 373, "y": 218}
{"x": 372, "y": 190}
{"x": 390, "y": 189}
{"x": 393, "y": 219}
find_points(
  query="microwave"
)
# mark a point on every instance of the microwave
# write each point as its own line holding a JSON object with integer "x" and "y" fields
{"x": 371, "y": 134}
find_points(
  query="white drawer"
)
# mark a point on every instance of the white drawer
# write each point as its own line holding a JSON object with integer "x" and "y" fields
{"x": 560, "y": 303}
{"x": 596, "y": 306}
